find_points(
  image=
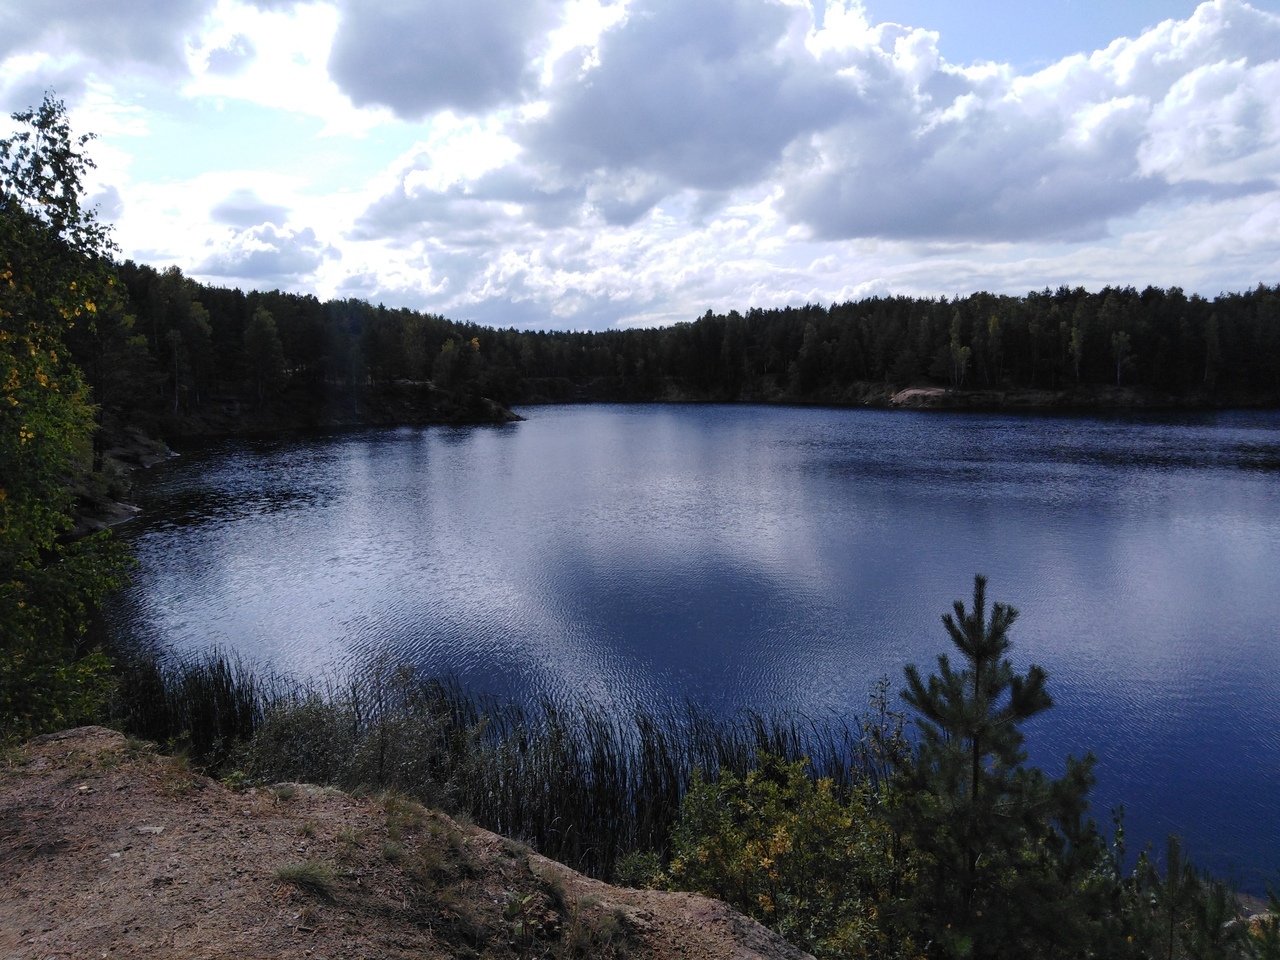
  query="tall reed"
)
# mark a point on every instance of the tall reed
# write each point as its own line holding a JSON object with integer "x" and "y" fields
{"x": 207, "y": 706}
{"x": 580, "y": 782}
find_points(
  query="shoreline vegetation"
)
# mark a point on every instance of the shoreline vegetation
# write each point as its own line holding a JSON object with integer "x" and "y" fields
{"x": 581, "y": 782}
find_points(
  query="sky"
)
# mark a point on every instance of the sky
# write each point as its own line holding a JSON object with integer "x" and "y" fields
{"x": 589, "y": 164}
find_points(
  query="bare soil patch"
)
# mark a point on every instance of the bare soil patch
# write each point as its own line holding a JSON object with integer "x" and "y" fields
{"x": 110, "y": 850}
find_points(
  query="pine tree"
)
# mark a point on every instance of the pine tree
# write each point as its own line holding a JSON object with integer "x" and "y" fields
{"x": 264, "y": 355}
{"x": 1010, "y": 854}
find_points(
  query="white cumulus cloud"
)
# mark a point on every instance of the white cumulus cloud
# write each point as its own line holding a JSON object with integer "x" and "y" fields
{"x": 587, "y": 162}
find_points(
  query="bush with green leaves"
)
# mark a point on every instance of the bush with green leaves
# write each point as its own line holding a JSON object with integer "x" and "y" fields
{"x": 824, "y": 870}
{"x": 55, "y": 275}
{"x": 863, "y": 853}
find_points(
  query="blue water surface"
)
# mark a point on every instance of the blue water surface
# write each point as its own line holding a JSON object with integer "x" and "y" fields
{"x": 770, "y": 557}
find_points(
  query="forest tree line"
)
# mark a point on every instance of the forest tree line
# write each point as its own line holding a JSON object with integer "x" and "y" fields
{"x": 176, "y": 345}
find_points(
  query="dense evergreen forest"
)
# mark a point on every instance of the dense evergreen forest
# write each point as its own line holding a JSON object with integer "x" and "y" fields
{"x": 177, "y": 349}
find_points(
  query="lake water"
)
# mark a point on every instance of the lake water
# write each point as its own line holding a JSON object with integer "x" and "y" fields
{"x": 771, "y": 557}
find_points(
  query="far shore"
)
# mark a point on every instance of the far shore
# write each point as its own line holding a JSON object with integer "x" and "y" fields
{"x": 920, "y": 396}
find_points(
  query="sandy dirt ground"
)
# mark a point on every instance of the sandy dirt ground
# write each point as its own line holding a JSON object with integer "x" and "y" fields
{"x": 108, "y": 850}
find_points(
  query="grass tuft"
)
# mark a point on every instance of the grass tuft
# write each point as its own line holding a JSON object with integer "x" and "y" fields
{"x": 310, "y": 876}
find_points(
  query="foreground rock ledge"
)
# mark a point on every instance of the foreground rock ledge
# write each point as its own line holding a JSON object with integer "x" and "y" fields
{"x": 109, "y": 850}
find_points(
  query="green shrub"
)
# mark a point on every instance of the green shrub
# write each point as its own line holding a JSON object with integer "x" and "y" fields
{"x": 639, "y": 868}
{"x": 595, "y": 932}
{"x": 823, "y": 871}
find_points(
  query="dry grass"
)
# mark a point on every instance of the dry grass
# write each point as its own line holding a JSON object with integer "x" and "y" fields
{"x": 309, "y": 876}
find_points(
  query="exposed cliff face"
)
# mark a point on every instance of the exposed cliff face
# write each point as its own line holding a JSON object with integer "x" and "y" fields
{"x": 107, "y": 849}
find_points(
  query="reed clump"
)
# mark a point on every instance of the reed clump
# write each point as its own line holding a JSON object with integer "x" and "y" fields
{"x": 580, "y": 782}
{"x": 206, "y": 707}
